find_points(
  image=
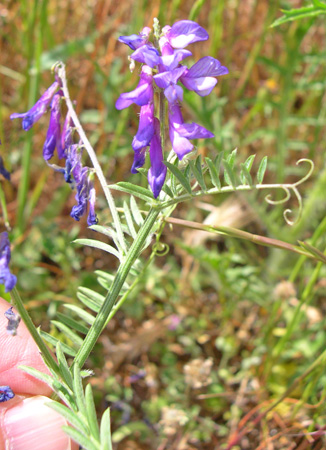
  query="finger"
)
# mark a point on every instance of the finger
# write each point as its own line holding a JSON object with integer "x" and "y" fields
{"x": 29, "y": 423}
{"x": 19, "y": 350}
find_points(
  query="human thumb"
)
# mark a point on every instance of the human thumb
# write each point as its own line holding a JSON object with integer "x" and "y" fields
{"x": 30, "y": 424}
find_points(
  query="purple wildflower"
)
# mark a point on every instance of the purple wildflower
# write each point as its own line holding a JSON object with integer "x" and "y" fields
{"x": 4, "y": 172}
{"x": 146, "y": 127}
{"x": 53, "y": 136}
{"x": 85, "y": 195}
{"x": 200, "y": 77}
{"x": 92, "y": 217}
{"x": 166, "y": 61}
{"x": 135, "y": 41}
{"x": 37, "y": 111}
{"x": 6, "y": 394}
{"x": 73, "y": 164}
{"x": 82, "y": 194}
{"x": 143, "y": 93}
{"x": 13, "y": 321}
{"x": 6, "y": 278}
{"x": 170, "y": 58}
{"x": 157, "y": 171}
{"x": 67, "y": 132}
{"x": 168, "y": 81}
{"x": 181, "y": 132}
{"x": 139, "y": 160}
{"x": 146, "y": 54}
{"x": 184, "y": 32}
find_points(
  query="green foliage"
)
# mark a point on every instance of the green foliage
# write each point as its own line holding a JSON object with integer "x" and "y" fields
{"x": 316, "y": 8}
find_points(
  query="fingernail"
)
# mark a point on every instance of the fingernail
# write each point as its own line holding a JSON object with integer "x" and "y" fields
{"x": 33, "y": 425}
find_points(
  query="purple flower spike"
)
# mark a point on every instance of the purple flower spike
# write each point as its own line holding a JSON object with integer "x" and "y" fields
{"x": 146, "y": 127}
{"x": 146, "y": 55}
{"x": 6, "y": 394}
{"x": 157, "y": 171}
{"x": 135, "y": 41}
{"x": 37, "y": 111}
{"x": 168, "y": 82}
{"x": 53, "y": 136}
{"x": 185, "y": 32}
{"x": 139, "y": 160}
{"x": 142, "y": 95}
{"x": 180, "y": 132}
{"x": 199, "y": 77}
{"x": 6, "y": 278}
{"x": 4, "y": 172}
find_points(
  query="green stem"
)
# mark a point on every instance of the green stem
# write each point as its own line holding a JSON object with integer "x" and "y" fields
{"x": 115, "y": 289}
{"x": 46, "y": 354}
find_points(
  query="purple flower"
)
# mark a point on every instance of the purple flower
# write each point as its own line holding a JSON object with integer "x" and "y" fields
{"x": 135, "y": 41}
{"x": 181, "y": 132}
{"x": 157, "y": 171}
{"x": 85, "y": 195}
{"x": 146, "y": 127}
{"x": 139, "y": 160}
{"x": 4, "y": 172}
{"x": 37, "y": 111}
{"x": 92, "y": 217}
{"x": 6, "y": 278}
{"x": 184, "y": 32}
{"x": 170, "y": 57}
{"x": 199, "y": 77}
{"x": 146, "y": 54}
{"x": 6, "y": 394}
{"x": 73, "y": 164}
{"x": 142, "y": 95}
{"x": 168, "y": 81}
{"x": 67, "y": 132}
{"x": 82, "y": 195}
{"x": 53, "y": 136}
{"x": 13, "y": 321}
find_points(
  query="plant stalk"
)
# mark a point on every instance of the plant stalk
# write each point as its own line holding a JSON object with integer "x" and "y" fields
{"x": 45, "y": 352}
{"x": 115, "y": 289}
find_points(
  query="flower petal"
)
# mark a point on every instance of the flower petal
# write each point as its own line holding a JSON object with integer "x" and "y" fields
{"x": 142, "y": 95}
{"x": 207, "y": 67}
{"x": 146, "y": 127}
{"x": 157, "y": 171}
{"x": 37, "y": 111}
{"x": 185, "y": 32}
{"x": 146, "y": 55}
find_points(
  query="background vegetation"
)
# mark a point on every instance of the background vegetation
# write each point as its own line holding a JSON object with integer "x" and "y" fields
{"x": 252, "y": 316}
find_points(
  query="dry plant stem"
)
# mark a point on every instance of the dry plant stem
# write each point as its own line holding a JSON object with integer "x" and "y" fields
{"x": 91, "y": 153}
{"x": 320, "y": 361}
{"x": 234, "y": 232}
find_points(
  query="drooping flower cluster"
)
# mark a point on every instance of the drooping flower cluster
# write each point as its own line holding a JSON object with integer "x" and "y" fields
{"x": 62, "y": 141}
{"x": 6, "y": 277}
{"x": 162, "y": 69}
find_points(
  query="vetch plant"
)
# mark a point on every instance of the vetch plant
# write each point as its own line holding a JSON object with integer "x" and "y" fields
{"x": 133, "y": 229}
{"x": 161, "y": 71}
